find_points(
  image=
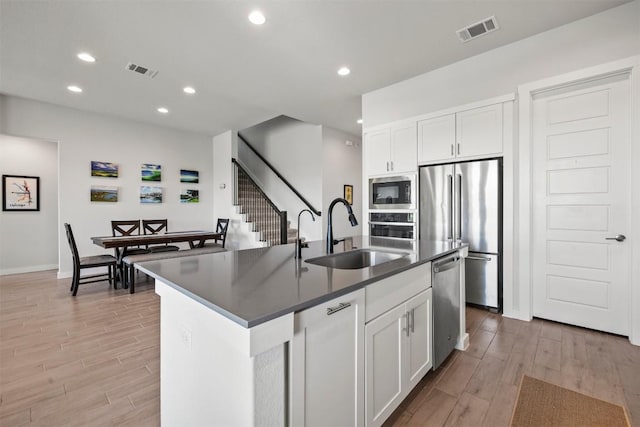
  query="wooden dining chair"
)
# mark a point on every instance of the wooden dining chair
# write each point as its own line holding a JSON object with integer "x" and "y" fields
{"x": 126, "y": 228}
{"x": 221, "y": 227}
{"x": 89, "y": 262}
{"x": 155, "y": 226}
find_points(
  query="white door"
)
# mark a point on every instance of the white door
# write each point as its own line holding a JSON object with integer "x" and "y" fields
{"x": 437, "y": 138}
{"x": 419, "y": 342}
{"x": 327, "y": 381}
{"x": 378, "y": 149}
{"x": 580, "y": 203}
{"x": 384, "y": 364}
{"x": 479, "y": 131}
{"x": 404, "y": 148}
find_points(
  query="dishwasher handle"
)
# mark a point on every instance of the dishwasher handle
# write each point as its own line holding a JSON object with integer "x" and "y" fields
{"x": 446, "y": 264}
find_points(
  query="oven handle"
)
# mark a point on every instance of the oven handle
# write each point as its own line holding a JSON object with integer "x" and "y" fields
{"x": 411, "y": 224}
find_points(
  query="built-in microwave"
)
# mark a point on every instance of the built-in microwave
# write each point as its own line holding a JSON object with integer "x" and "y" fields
{"x": 396, "y": 192}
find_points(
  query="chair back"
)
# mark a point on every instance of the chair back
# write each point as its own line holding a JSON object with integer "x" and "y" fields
{"x": 125, "y": 228}
{"x": 221, "y": 227}
{"x": 154, "y": 226}
{"x": 72, "y": 246}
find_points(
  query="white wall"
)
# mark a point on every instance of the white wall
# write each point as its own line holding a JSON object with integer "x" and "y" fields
{"x": 605, "y": 37}
{"x": 85, "y": 136}
{"x": 294, "y": 148}
{"x": 29, "y": 240}
{"x": 342, "y": 164}
{"x": 601, "y": 38}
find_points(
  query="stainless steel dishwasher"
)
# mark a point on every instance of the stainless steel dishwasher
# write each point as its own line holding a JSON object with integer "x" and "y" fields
{"x": 445, "y": 274}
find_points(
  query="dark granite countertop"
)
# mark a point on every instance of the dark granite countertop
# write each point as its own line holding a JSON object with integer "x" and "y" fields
{"x": 256, "y": 285}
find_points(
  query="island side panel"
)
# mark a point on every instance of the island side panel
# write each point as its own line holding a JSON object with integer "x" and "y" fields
{"x": 208, "y": 375}
{"x": 463, "y": 337}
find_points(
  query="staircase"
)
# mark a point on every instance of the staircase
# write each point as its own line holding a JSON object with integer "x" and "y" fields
{"x": 259, "y": 211}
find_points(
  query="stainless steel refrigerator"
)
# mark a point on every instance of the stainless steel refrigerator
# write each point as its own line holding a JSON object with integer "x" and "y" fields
{"x": 463, "y": 201}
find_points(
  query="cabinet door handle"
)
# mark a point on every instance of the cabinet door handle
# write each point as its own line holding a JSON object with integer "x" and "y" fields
{"x": 387, "y": 166}
{"x": 406, "y": 329}
{"x": 341, "y": 306}
{"x": 413, "y": 320}
{"x": 458, "y": 149}
{"x": 452, "y": 149}
{"x": 391, "y": 164}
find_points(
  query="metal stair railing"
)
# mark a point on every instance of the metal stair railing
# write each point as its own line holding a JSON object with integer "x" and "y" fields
{"x": 265, "y": 216}
{"x": 279, "y": 175}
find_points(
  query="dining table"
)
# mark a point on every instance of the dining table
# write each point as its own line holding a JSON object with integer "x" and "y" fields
{"x": 196, "y": 239}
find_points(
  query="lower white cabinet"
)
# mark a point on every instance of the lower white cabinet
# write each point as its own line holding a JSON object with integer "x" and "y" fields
{"x": 327, "y": 374}
{"x": 397, "y": 356}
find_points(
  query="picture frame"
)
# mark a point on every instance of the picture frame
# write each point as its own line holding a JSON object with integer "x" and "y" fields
{"x": 348, "y": 193}
{"x": 20, "y": 193}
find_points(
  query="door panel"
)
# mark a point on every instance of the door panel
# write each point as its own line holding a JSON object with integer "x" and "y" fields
{"x": 580, "y": 198}
{"x": 436, "y": 202}
{"x": 384, "y": 355}
{"x": 479, "y": 198}
{"x": 418, "y": 345}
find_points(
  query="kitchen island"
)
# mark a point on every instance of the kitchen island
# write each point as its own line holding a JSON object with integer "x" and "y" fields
{"x": 228, "y": 320}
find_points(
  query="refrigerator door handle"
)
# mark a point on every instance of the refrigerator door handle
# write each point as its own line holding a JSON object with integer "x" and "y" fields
{"x": 459, "y": 223}
{"x": 478, "y": 258}
{"x": 451, "y": 196}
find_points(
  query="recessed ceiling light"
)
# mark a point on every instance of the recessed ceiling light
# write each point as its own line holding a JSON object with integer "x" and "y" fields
{"x": 344, "y": 71}
{"x": 74, "y": 88}
{"x": 163, "y": 110}
{"x": 86, "y": 57}
{"x": 256, "y": 17}
{"x": 359, "y": 121}
{"x": 189, "y": 90}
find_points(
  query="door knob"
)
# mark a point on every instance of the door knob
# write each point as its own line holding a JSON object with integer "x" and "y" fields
{"x": 618, "y": 238}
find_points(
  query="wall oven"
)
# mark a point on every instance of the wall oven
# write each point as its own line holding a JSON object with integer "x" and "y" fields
{"x": 398, "y": 192}
{"x": 393, "y": 225}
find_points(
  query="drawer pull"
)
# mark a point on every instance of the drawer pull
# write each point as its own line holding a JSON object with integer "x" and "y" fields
{"x": 341, "y": 306}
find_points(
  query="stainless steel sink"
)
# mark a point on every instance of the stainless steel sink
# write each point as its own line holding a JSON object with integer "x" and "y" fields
{"x": 352, "y": 260}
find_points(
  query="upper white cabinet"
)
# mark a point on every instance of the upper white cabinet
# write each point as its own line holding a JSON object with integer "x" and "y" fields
{"x": 391, "y": 150}
{"x": 327, "y": 372}
{"x": 470, "y": 133}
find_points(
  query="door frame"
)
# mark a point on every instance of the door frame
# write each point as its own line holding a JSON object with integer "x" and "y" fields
{"x": 521, "y": 304}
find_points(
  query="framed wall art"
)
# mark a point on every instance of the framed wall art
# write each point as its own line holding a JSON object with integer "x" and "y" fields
{"x": 151, "y": 172}
{"x": 191, "y": 177}
{"x": 20, "y": 193}
{"x": 101, "y": 193}
{"x": 104, "y": 169}
{"x": 348, "y": 193}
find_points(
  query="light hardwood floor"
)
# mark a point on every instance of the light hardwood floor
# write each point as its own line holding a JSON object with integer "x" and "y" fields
{"x": 94, "y": 360}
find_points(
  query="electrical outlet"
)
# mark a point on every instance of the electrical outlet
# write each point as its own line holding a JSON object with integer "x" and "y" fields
{"x": 185, "y": 337}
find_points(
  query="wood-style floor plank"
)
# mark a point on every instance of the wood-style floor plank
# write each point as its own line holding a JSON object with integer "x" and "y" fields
{"x": 94, "y": 360}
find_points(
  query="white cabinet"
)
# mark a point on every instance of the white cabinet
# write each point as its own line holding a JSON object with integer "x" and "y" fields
{"x": 465, "y": 134}
{"x": 327, "y": 373}
{"x": 391, "y": 150}
{"x": 398, "y": 340}
{"x": 437, "y": 138}
{"x": 398, "y": 354}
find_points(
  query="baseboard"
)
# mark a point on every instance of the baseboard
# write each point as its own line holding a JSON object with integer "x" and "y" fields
{"x": 65, "y": 274}
{"x": 30, "y": 269}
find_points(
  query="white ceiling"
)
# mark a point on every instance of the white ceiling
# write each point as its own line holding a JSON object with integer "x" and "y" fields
{"x": 246, "y": 74}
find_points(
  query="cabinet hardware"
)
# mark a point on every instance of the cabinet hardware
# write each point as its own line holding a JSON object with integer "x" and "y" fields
{"x": 341, "y": 306}
{"x": 458, "y": 149}
{"x": 387, "y": 166}
{"x": 618, "y": 238}
{"x": 452, "y": 149}
{"x": 413, "y": 320}
{"x": 406, "y": 329}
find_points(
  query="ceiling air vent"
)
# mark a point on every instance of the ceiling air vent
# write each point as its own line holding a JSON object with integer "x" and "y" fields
{"x": 478, "y": 29}
{"x": 144, "y": 71}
